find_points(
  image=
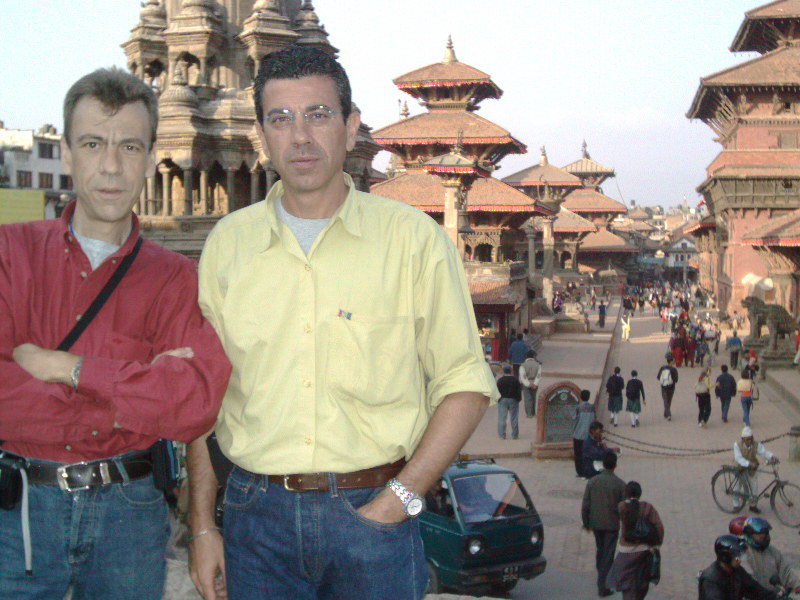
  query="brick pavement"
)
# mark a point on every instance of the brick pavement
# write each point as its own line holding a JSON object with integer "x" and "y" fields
{"x": 679, "y": 487}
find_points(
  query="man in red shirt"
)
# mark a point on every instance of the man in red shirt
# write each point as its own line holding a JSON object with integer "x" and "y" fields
{"x": 148, "y": 366}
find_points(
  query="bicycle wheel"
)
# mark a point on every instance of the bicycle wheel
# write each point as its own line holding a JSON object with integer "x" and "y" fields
{"x": 725, "y": 488}
{"x": 785, "y": 501}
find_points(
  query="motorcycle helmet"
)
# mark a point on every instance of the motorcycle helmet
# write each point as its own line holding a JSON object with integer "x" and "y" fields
{"x": 736, "y": 526}
{"x": 756, "y": 525}
{"x": 727, "y": 547}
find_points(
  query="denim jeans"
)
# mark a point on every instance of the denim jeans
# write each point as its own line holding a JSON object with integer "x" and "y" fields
{"x": 506, "y": 407}
{"x": 726, "y": 404}
{"x": 105, "y": 542}
{"x": 309, "y": 545}
{"x": 747, "y": 404}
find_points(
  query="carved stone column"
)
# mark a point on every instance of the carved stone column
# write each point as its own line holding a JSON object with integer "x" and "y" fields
{"x": 188, "y": 184}
{"x": 204, "y": 191}
{"x": 230, "y": 189}
{"x": 451, "y": 208}
{"x": 548, "y": 245}
{"x": 150, "y": 196}
{"x": 255, "y": 192}
{"x": 166, "y": 189}
{"x": 530, "y": 234}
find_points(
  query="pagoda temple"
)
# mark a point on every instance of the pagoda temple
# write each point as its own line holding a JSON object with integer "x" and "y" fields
{"x": 754, "y": 111}
{"x": 496, "y": 250}
{"x": 201, "y": 57}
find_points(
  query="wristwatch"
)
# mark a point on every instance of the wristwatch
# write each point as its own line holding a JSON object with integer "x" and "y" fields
{"x": 413, "y": 504}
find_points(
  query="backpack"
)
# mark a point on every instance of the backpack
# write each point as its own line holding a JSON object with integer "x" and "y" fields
{"x": 666, "y": 377}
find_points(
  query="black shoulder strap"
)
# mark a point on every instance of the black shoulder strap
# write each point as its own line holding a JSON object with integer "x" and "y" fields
{"x": 101, "y": 299}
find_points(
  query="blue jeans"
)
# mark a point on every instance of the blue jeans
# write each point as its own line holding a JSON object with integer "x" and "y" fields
{"x": 726, "y": 404}
{"x": 105, "y": 542}
{"x": 506, "y": 407}
{"x": 309, "y": 545}
{"x": 747, "y": 404}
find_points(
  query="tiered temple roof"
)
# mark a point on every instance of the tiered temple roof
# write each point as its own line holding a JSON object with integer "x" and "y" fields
{"x": 768, "y": 27}
{"x": 586, "y": 201}
{"x": 781, "y": 231}
{"x": 590, "y": 172}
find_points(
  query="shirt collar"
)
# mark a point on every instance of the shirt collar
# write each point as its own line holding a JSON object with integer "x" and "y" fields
{"x": 349, "y": 213}
{"x": 127, "y": 246}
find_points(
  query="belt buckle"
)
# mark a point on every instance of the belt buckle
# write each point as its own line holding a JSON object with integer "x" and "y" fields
{"x": 286, "y": 484}
{"x": 62, "y": 477}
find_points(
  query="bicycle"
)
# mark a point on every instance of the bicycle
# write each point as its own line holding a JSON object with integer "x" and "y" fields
{"x": 729, "y": 489}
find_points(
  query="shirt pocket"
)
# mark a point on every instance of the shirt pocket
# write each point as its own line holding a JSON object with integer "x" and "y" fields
{"x": 371, "y": 359}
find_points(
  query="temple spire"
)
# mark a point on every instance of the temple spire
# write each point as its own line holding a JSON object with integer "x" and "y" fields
{"x": 543, "y": 158}
{"x": 585, "y": 150}
{"x": 449, "y": 53}
{"x": 403, "y": 109}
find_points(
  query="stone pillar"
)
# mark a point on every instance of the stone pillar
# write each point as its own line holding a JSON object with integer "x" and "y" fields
{"x": 230, "y": 189}
{"x": 255, "y": 192}
{"x": 451, "y": 209}
{"x": 548, "y": 245}
{"x": 188, "y": 185}
{"x": 166, "y": 187}
{"x": 272, "y": 177}
{"x": 150, "y": 196}
{"x": 530, "y": 233}
{"x": 204, "y": 191}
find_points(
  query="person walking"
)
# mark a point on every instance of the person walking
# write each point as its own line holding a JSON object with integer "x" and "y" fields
{"x": 600, "y": 514}
{"x": 702, "y": 390}
{"x": 664, "y": 319}
{"x": 630, "y": 573}
{"x": 746, "y": 388}
{"x": 626, "y": 326}
{"x": 634, "y": 394}
{"x": 734, "y": 345}
{"x": 690, "y": 349}
{"x": 517, "y": 352}
{"x": 725, "y": 389}
{"x": 614, "y": 386}
{"x": 601, "y": 315}
{"x": 667, "y": 377}
{"x": 584, "y": 417}
{"x": 508, "y": 406}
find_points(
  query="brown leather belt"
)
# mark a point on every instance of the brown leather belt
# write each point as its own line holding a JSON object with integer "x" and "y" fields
{"x": 83, "y": 475}
{"x": 306, "y": 482}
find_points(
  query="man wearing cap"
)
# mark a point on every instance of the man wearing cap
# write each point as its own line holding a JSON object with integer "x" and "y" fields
{"x": 746, "y": 453}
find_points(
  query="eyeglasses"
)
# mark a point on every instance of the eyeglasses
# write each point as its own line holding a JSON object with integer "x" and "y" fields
{"x": 283, "y": 118}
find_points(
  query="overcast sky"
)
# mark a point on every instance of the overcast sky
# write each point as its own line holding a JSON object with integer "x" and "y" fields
{"x": 620, "y": 74}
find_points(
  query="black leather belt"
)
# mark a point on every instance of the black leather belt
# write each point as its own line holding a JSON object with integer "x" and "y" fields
{"x": 83, "y": 475}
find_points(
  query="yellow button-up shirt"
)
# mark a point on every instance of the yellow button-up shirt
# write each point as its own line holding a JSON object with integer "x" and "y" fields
{"x": 339, "y": 357}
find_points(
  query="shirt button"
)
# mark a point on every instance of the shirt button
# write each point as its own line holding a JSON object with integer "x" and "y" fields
{"x": 67, "y": 447}
{"x": 308, "y": 440}
{"x": 113, "y": 261}
{"x": 66, "y": 250}
{"x": 307, "y": 328}
{"x": 306, "y": 383}
{"x": 307, "y": 267}
{"x": 78, "y": 318}
{"x": 95, "y": 433}
{"x": 84, "y": 274}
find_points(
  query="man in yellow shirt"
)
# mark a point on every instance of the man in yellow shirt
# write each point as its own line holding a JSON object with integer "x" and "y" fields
{"x": 358, "y": 370}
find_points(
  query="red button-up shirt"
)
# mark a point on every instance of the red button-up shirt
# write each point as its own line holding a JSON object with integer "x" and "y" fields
{"x": 123, "y": 402}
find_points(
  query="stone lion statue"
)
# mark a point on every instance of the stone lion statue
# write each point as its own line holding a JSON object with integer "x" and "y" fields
{"x": 774, "y": 316}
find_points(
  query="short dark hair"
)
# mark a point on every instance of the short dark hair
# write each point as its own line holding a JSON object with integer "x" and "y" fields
{"x": 531, "y": 354}
{"x": 585, "y": 395}
{"x": 634, "y": 373}
{"x": 113, "y": 88}
{"x": 724, "y": 368}
{"x": 295, "y": 62}
{"x": 609, "y": 461}
{"x": 616, "y": 370}
{"x": 595, "y": 426}
{"x": 519, "y": 336}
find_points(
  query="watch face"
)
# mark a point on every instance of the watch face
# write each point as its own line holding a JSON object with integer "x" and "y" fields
{"x": 415, "y": 506}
